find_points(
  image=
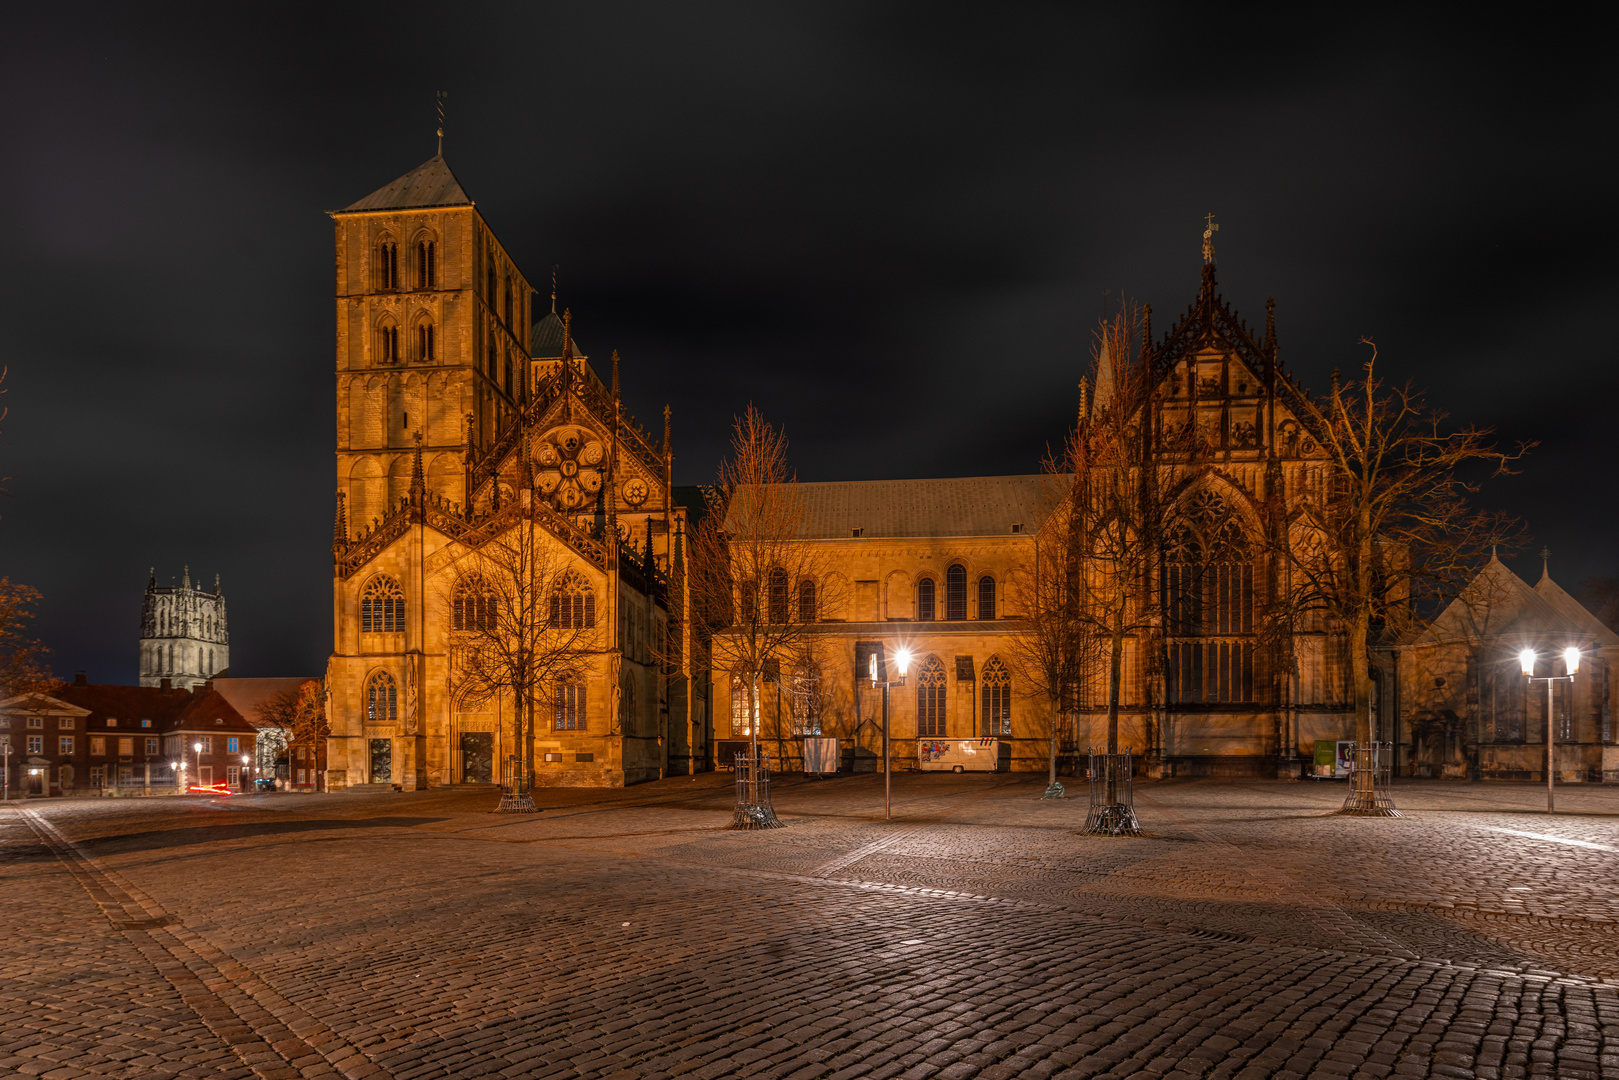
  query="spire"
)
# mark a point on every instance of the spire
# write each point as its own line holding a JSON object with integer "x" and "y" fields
{"x": 185, "y": 582}
{"x": 1146, "y": 332}
{"x": 340, "y": 523}
{"x": 567, "y": 348}
{"x": 1084, "y": 398}
{"x": 666, "y": 441}
{"x": 216, "y": 585}
{"x": 554, "y": 268}
{"x": 615, "y": 377}
{"x": 1104, "y": 373}
{"x": 151, "y": 579}
{"x": 1545, "y": 564}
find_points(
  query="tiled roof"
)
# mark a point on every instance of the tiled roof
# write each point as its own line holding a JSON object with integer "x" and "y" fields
{"x": 207, "y": 707}
{"x": 429, "y": 184}
{"x": 246, "y": 695}
{"x": 1499, "y": 602}
{"x": 545, "y": 338}
{"x": 126, "y": 702}
{"x": 955, "y": 506}
{"x": 1578, "y": 617}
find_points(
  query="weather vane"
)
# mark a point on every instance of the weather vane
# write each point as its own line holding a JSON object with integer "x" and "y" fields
{"x": 442, "y": 94}
{"x": 1210, "y": 228}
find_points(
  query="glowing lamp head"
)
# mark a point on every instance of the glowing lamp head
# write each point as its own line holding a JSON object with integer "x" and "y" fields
{"x": 902, "y": 659}
{"x": 1526, "y": 660}
{"x": 244, "y": 759}
{"x": 1571, "y": 659}
{"x": 197, "y": 746}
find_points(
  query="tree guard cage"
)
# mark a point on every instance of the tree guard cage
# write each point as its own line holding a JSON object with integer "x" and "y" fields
{"x": 515, "y": 782}
{"x": 1112, "y": 811}
{"x": 753, "y": 809}
{"x": 1369, "y": 781}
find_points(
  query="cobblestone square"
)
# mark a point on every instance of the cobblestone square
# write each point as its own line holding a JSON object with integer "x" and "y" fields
{"x": 630, "y": 934}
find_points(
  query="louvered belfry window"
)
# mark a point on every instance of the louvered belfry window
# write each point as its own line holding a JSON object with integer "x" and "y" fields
{"x": 930, "y": 713}
{"x": 382, "y": 607}
{"x": 955, "y": 592}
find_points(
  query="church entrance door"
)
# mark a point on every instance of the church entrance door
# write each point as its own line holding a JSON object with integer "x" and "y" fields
{"x": 477, "y": 757}
{"x": 382, "y": 754}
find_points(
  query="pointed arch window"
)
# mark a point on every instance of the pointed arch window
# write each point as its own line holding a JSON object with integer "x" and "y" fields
{"x": 424, "y": 340}
{"x": 573, "y": 605}
{"x": 779, "y": 612}
{"x": 806, "y": 601}
{"x": 489, "y": 282}
{"x": 986, "y": 597}
{"x": 930, "y": 702}
{"x": 926, "y": 609}
{"x": 509, "y": 388}
{"x": 996, "y": 682}
{"x": 381, "y": 699}
{"x": 508, "y": 298}
{"x": 426, "y": 264}
{"x": 382, "y": 607}
{"x": 569, "y": 702}
{"x": 387, "y": 342}
{"x": 1209, "y": 597}
{"x": 955, "y": 592}
{"x": 741, "y": 707}
{"x": 387, "y": 264}
{"x": 473, "y": 607}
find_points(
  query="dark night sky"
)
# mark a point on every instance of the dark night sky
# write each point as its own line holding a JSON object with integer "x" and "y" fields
{"x": 888, "y": 226}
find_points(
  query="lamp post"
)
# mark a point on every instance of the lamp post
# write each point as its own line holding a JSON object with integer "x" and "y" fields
{"x": 179, "y": 769}
{"x": 197, "y": 746}
{"x": 5, "y": 776}
{"x": 1571, "y": 664}
{"x": 247, "y": 773}
{"x": 902, "y": 660}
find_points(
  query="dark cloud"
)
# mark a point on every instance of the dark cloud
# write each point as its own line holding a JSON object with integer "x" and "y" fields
{"x": 889, "y": 226}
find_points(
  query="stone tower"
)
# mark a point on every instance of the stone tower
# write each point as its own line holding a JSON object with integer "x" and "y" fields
{"x": 183, "y": 634}
{"x": 431, "y": 343}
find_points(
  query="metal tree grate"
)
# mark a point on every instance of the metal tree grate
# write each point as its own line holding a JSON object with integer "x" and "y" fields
{"x": 753, "y": 809}
{"x": 1369, "y": 781}
{"x": 1112, "y": 811}
{"x": 515, "y": 797}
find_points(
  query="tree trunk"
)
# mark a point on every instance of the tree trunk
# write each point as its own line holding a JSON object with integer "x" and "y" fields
{"x": 1115, "y": 674}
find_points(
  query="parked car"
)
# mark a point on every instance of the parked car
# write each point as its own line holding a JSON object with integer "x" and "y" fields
{"x": 264, "y": 783}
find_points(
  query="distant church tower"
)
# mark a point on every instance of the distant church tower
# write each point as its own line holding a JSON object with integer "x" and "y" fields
{"x": 183, "y": 635}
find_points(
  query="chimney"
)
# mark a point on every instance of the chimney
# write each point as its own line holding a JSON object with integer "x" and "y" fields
{"x": 78, "y": 678}
{"x": 166, "y": 684}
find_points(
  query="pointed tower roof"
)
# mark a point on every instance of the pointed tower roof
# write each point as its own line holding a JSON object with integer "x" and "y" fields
{"x": 545, "y": 339}
{"x": 1104, "y": 377}
{"x": 429, "y": 184}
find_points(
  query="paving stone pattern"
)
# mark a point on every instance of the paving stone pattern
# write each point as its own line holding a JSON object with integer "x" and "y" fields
{"x": 629, "y": 934}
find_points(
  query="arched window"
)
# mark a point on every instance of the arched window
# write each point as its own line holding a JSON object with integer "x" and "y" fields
{"x": 930, "y": 699}
{"x": 489, "y": 282}
{"x": 1209, "y": 594}
{"x": 573, "y": 605}
{"x": 510, "y": 389}
{"x": 387, "y": 264}
{"x": 997, "y": 684}
{"x": 381, "y": 699}
{"x": 473, "y": 606}
{"x": 925, "y": 607}
{"x": 741, "y": 707}
{"x": 570, "y": 702}
{"x": 986, "y": 597}
{"x": 382, "y": 607}
{"x": 426, "y": 258}
{"x": 955, "y": 592}
{"x": 424, "y": 340}
{"x": 387, "y": 342}
{"x": 508, "y": 299}
{"x": 806, "y": 600}
{"x": 778, "y": 597}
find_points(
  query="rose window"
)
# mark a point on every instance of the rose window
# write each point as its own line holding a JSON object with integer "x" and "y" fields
{"x": 568, "y": 467}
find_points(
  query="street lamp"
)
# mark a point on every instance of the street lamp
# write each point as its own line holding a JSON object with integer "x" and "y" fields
{"x": 902, "y": 660}
{"x": 197, "y": 746}
{"x": 5, "y": 776}
{"x": 1571, "y": 664}
{"x": 247, "y": 773}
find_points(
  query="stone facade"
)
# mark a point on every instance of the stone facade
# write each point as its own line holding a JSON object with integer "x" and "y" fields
{"x": 184, "y": 637}
{"x": 453, "y": 447}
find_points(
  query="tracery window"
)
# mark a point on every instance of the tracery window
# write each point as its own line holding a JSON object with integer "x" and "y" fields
{"x": 986, "y": 597}
{"x": 426, "y": 258}
{"x": 930, "y": 713}
{"x": 925, "y": 610}
{"x": 387, "y": 343}
{"x": 473, "y": 605}
{"x": 741, "y": 706}
{"x": 1209, "y": 596}
{"x": 806, "y": 601}
{"x": 570, "y": 702}
{"x": 573, "y": 605}
{"x": 381, "y": 699}
{"x": 778, "y": 597}
{"x": 996, "y": 682}
{"x": 387, "y": 264}
{"x": 955, "y": 592}
{"x": 424, "y": 340}
{"x": 382, "y": 607}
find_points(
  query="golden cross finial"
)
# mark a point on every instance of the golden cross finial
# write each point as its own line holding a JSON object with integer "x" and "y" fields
{"x": 1209, "y": 229}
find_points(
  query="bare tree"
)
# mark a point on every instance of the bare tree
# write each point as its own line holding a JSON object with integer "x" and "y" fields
{"x": 1388, "y": 532}
{"x": 22, "y": 657}
{"x": 753, "y": 576}
{"x": 520, "y": 619}
{"x": 275, "y": 717}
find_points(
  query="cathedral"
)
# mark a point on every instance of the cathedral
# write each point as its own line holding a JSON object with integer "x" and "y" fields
{"x": 183, "y": 638}
{"x": 489, "y": 479}
{"x": 491, "y": 489}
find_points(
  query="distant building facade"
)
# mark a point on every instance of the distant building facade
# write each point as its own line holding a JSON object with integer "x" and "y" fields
{"x": 184, "y": 637}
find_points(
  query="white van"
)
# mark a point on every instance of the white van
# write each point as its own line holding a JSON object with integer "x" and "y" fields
{"x": 958, "y": 755}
